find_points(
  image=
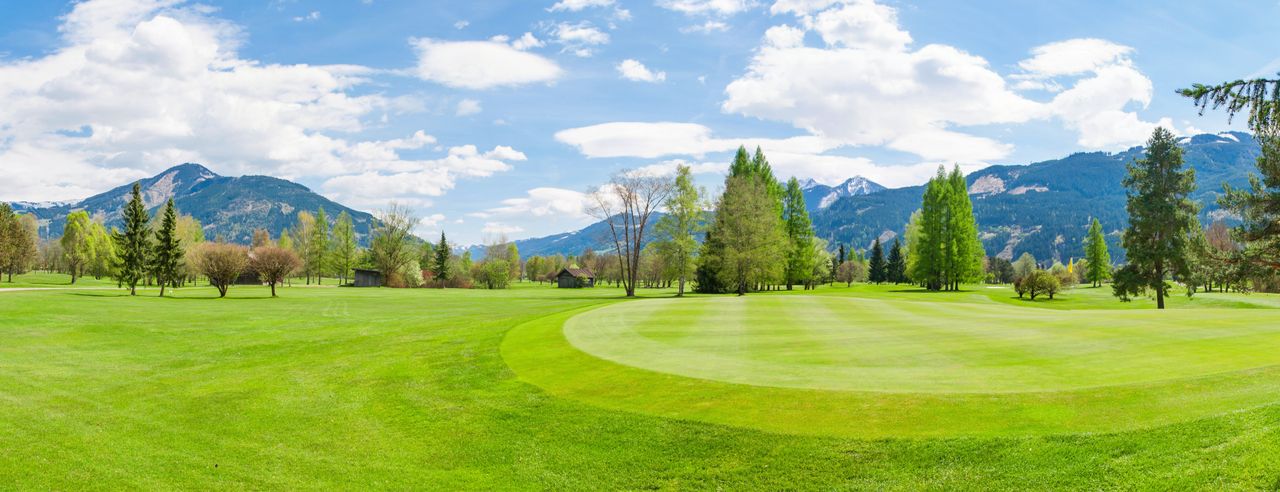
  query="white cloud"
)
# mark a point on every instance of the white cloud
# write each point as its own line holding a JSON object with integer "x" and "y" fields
{"x": 707, "y": 7}
{"x": 579, "y": 38}
{"x": 138, "y": 87}
{"x": 460, "y": 25}
{"x": 867, "y": 86}
{"x": 784, "y": 37}
{"x": 313, "y": 16}
{"x": 543, "y": 202}
{"x": 668, "y": 168}
{"x": 481, "y": 64}
{"x": 467, "y": 107}
{"x": 526, "y": 42}
{"x": 658, "y": 139}
{"x": 707, "y": 27}
{"x": 412, "y": 181}
{"x": 801, "y": 7}
{"x": 578, "y": 5}
{"x": 499, "y": 228}
{"x": 1106, "y": 83}
{"x": 1073, "y": 57}
{"x": 862, "y": 24}
{"x": 636, "y": 71}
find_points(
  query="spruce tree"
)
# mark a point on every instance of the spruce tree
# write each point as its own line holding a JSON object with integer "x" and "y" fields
{"x": 878, "y": 271}
{"x": 1098, "y": 260}
{"x": 1160, "y": 218}
{"x": 897, "y": 265}
{"x": 166, "y": 257}
{"x": 441, "y": 269}
{"x": 133, "y": 244}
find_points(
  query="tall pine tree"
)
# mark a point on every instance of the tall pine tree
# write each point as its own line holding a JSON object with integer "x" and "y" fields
{"x": 878, "y": 271}
{"x": 897, "y": 264}
{"x": 133, "y": 244}
{"x": 1160, "y": 218}
{"x": 441, "y": 268}
{"x": 1097, "y": 259}
{"x": 166, "y": 257}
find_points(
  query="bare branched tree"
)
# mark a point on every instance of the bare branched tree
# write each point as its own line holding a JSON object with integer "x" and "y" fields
{"x": 391, "y": 244}
{"x": 626, "y": 204}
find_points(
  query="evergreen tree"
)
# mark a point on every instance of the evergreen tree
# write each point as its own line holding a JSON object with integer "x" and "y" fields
{"x": 345, "y": 248}
{"x": 680, "y": 226}
{"x": 166, "y": 257}
{"x": 133, "y": 244}
{"x": 878, "y": 269}
{"x": 896, "y": 267}
{"x": 1161, "y": 216}
{"x": 943, "y": 246}
{"x": 1098, "y": 260}
{"x": 966, "y": 264}
{"x": 318, "y": 254}
{"x": 441, "y": 269}
{"x": 799, "y": 230}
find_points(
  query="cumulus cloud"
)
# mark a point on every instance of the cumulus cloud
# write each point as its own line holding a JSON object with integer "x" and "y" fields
{"x": 136, "y": 87}
{"x": 865, "y": 87}
{"x": 526, "y": 42}
{"x": 481, "y": 64}
{"x": 634, "y": 70}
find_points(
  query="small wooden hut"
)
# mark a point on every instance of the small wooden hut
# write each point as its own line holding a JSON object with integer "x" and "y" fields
{"x": 574, "y": 278}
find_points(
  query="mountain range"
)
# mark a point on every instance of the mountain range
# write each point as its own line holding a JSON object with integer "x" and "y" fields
{"x": 1042, "y": 208}
{"x": 228, "y": 207}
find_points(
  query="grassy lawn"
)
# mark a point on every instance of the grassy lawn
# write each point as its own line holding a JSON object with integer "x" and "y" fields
{"x": 378, "y": 388}
{"x": 35, "y": 280}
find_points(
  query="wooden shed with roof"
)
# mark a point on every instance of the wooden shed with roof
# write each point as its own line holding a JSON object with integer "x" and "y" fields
{"x": 573, "y": 278}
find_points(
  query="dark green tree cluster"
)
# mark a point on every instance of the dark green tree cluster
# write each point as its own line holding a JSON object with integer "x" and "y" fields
{"x": 749, "y": 235}
{"x": 896, "y": 266}
{"x": 133, "y": 244}
{"x": 943, "y": 239}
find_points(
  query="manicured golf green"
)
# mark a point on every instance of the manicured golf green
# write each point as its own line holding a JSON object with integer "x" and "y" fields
{"x": 870, "y": 367}
{"x": 342, "y": 388}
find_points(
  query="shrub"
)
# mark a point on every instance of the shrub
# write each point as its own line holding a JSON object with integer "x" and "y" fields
{"x": 273, "y": 264}
{"x": 222, "y": 263}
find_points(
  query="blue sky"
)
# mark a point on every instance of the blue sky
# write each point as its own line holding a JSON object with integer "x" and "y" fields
{"x": 493, "y": 117}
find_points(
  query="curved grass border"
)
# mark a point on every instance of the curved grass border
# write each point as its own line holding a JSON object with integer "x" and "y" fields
{"x": 539, "y": 354}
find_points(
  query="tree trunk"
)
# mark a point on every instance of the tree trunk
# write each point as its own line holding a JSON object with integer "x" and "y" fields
{"x": 273, "y": 289}
{"x": 162, "y": 284}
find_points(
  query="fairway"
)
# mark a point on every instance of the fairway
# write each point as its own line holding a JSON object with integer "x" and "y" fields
{"x": 334, "y": 388}
{"x": 891, "y": 366}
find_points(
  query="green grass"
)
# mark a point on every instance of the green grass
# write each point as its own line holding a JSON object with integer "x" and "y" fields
{"x": 408, "y": 389}
{"x": 35, "y": 280}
